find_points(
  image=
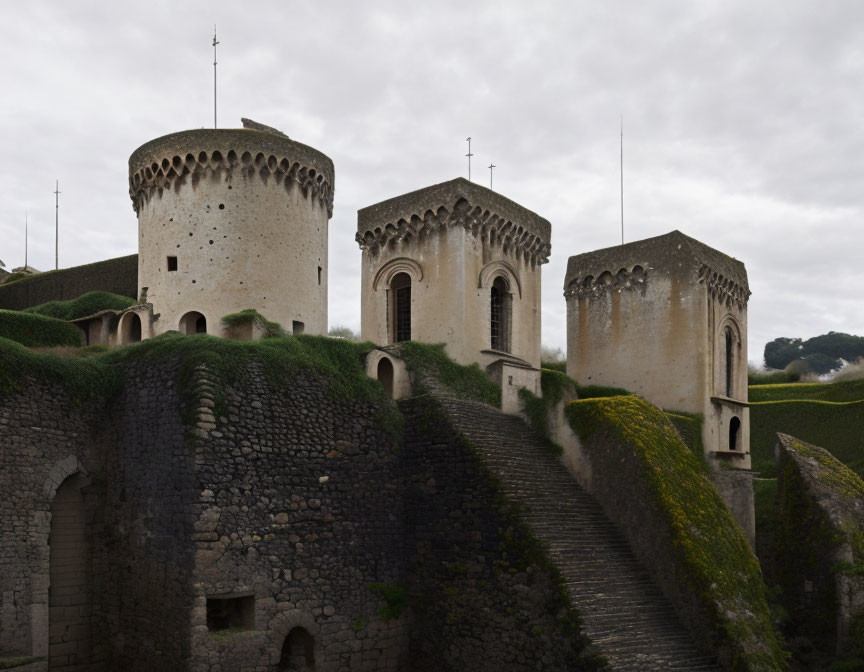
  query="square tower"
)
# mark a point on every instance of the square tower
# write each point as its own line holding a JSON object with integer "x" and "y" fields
{"x": 454, "y": 263}
{"x": 666, "y": 318}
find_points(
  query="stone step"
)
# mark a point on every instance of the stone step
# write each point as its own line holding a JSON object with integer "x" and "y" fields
{"x": 623, "y": 612}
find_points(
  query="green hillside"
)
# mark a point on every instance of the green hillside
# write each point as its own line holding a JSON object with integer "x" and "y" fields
{"x": 825, "y": 414}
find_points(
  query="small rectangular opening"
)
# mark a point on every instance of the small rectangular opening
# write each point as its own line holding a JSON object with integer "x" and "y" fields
{"x": 319, "y": 275}
{"x": 172, "y": 263}
{"x": 297, "y": 327}
{"x": 231, "y": 613}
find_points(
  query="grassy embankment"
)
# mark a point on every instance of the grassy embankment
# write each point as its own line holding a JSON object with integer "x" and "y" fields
{"x": 829, "y": 415}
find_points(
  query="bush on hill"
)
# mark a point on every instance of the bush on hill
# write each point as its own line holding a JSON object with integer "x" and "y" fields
{"x": 86, "y": 304}
{"x": 37, "y": 330}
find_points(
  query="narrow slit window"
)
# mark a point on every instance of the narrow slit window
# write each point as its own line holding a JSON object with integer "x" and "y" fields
{"x": 729, "y": 360}
{"x": 499, "y": 325}
{"x": 319, "y": 275}
{"x": 172, "y": 263}
{"x": 401, "y": 288}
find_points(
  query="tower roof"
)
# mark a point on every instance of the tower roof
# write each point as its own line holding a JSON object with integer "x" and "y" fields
{"x": 672, "y": 252}
{"x": 456, "y": 201}
{"x": 158, "y": 164}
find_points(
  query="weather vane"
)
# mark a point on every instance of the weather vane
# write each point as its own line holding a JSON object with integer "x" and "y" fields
{"x": 469, "y": 155}
{"x": 491, "y": 166}
{"x": 215, "y": 42}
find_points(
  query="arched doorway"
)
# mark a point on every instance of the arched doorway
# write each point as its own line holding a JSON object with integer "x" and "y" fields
{"x": 735, "y": 434}
{"x": 193, "y": 323}
{"x": 69, "y": 601}
{"x": 385, "y": 375}
{"x": 298, "y": 651}
{"x": 499, "y": 323}
{"x": 130, "y": 328}
{"x": 400, "y": 288}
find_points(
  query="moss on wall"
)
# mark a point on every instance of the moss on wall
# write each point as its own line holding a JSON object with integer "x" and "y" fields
{"x": 252, "y": 316}
{"x": 118, "y": 276}
{"x": 86, "y": 304}
{"x": 464, "y": 382}
{"x": 37, "y": 330}
{"x": 709, "y": 550}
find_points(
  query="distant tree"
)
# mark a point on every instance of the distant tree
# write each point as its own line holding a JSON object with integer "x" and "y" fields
{"x": 339, "y": 331}
{"x": 835, "y": 344}
{"x": 780, "y": 352}
{"x": 551, "y": 355}
{"x": 820, "y": 363}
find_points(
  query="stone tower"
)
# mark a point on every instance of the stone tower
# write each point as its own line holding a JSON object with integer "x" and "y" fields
{"x": 454, "y": 263}
{"x": 230, "y": 219}
{"x": 666, "y": 318}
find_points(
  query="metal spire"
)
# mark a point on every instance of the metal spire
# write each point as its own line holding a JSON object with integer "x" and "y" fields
{"x": 26, "y": 235}
{"x": 469, "y": 155}
{"x": 57, "y": 193}
{"x": 622, "y": 179}
{"x": 491, "y": 166}
{"x": 215, "y": 42}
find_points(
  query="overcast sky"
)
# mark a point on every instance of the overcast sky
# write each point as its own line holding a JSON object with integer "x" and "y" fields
{"x": 743, "y": 124}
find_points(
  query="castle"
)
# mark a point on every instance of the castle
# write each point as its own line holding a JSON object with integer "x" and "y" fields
{"x": 236, "y": 219}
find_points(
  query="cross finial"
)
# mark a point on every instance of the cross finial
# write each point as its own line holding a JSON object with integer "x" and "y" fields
{"x": 491, "y": 167}
{"x": 469, "y": 155}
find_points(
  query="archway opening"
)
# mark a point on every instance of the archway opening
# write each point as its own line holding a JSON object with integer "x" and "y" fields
{"x": 735, "y": 434}
{"x": 130, "y": 328}
{"x": 400, "y": 287}
{"x": 730, "y": 356}
{"x": 69, "y": 601}
{"x": 193, "y": 323}
{"x": 298, "y": 651}
{"x": 499, "y": 324}
{"x": 385, "y": 375}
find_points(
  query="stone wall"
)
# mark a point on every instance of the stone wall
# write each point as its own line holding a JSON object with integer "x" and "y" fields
{"x": 47, "y": 438}
{"x": 301, "y": 507}
{"x": 819, "y": 546}
{"x": 118, "y": 276}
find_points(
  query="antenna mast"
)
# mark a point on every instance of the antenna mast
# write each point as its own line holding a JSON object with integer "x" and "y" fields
{"x": 26, "y": 234}
{"x": 215, "y": 42}
{"x": 491, "y": 166}
{"x": 469, "y": 155}
{"x": 57, "y": 193}
{"x": 622, "y": 179}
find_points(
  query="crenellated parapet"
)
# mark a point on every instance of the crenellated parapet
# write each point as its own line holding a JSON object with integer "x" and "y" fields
{"x": 629, "y": 267}
{"x": 189, "y": 157}
{"x": 722, "y": 289}
{"x": 412, "y": 217}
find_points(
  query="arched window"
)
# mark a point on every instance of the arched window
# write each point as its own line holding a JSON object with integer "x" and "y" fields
{"x": 734, "y": 434}
{"x": 385, "y": 375}
{"x": 400, "y": 288}
{"x": 130, "y": 328}
{"x": 499, "y": 324}
{"x": 298, "y": 651}
{"x": 193, "y": 323}
{"x": 730, "y": 357}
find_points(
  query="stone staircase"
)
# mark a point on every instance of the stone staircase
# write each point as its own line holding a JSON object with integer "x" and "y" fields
{"x": 627, "y": 618}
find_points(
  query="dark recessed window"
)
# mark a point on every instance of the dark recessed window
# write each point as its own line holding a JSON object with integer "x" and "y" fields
{"x": 172, "y": 263}
{"x": 319, "y": 275}
{"x": 224, "y": 613}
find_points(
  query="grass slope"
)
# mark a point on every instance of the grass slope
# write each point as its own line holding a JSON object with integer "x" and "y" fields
{"x": 465, "y": 382}
{"x": 710, "y": 550}
{"x": 37, "y": 330}
{"x": 86, "y": 304}
{"x": 824, "y": 414}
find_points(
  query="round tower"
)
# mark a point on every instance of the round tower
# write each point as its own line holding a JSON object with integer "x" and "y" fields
{"x": 231, "y": 219}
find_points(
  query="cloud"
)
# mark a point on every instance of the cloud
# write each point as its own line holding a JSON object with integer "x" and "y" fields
{"x": 742, "y": 124}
